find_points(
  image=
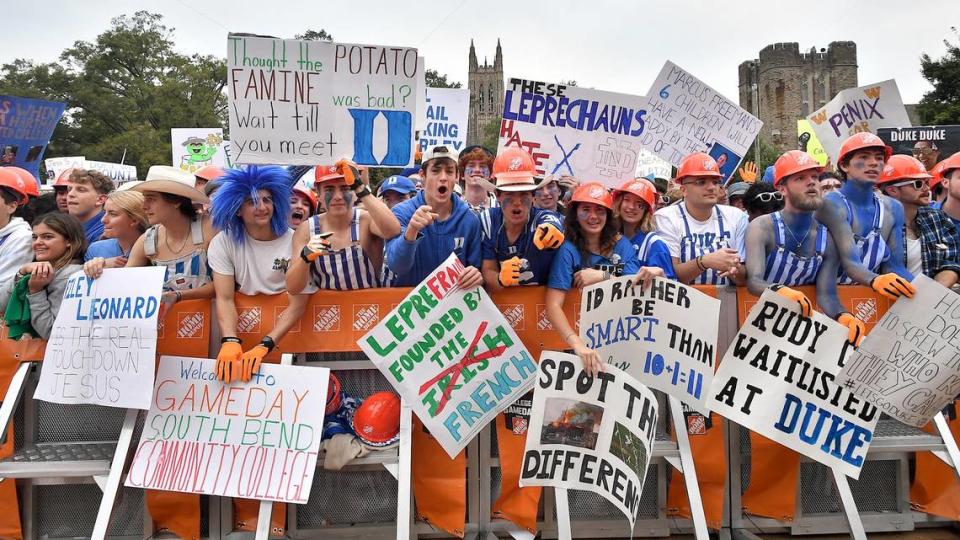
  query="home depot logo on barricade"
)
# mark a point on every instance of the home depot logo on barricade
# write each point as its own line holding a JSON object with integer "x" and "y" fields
{"x": 696, "y": 424}
{"x": 365, "y": 316}
{"x": 514, "y": 313}
{"x": 248, "y": 321}
{"x": 326, "y": 318}
{"x": 543, "y": 324}
{"x": 190, "y": 325}
{"x": 865, "y": 309}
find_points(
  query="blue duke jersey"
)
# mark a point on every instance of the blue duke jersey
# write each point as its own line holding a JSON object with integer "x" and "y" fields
{"x": 622, "y": 262}
{"x": 535, "y": 263}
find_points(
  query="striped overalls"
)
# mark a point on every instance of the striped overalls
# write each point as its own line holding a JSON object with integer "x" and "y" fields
{"x": 786, "y": 267}
{"x": 690, "y": 249}
{"x": 873, "y": 248}
{"x": 346, "y": 269}
{"x": 187, "y": 272}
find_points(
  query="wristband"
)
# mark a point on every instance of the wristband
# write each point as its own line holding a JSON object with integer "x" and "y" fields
{"x": 700, "y": 264}
{"x": 363, "y": 193}
{"x": 268, "y": 342}
{"x": 776, "y": 287}
{"x": 179, "y": 295}
{"x": 303, "y": 255}
{"x": 229, "y": 339}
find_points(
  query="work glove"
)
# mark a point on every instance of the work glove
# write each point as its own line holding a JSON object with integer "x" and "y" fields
{"x": 509, "y": 272}
{"x": 250, "y": 361}
{"x": 350, "y": 172}
{"x": 855, "y": 328}
{"x": 547, "y": 237}
{"x": 228, "y": 361}
{"x": 317, "y": 246}
{"x": 748, "y": 173}
{"x": 792, "y": 294}
{"x": 892, "y": 286}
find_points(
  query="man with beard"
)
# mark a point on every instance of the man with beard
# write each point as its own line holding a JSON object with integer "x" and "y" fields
{"x": 932, "y": 244}
{"x": 475, "y": 164}
{"x": 519, "y": 241}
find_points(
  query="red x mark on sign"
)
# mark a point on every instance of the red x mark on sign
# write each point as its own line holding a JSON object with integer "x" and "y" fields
{"x": 454, "y": 370}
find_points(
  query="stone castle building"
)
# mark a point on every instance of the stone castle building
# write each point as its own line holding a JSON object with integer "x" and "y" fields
{"x": 785, "y": 85}
{"x": 486, "y": 93}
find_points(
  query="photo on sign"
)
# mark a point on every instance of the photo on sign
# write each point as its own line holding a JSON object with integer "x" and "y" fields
{"x": 726, "y": 159}
{"x": 630, "y": 449}
{"x": 571, "y": 422}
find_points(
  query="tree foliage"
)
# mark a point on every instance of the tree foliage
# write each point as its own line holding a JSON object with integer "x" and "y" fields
{"x": 437, "y": 80}
{"x": 314, "y": 35}
{"x": 942, "y": 104}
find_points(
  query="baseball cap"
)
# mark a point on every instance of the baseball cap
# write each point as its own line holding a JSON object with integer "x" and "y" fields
{"x": 737, "y": 189}
{"x": 397, "y": 183}
{"x": 439, "y": 151}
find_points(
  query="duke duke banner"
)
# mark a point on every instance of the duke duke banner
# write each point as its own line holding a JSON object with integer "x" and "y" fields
{"x": 450, "y": 354}
{"x": 903, "y": 140}
{"x": 254, "y": 440}
{"x": 102, "y": 347}
{"x": 590, "y": 433}
{"x": 307, "y": 102}
{"x": 665, "y": 336}
{"x": 574, "y": 131}
{"x": 777, "y": 379}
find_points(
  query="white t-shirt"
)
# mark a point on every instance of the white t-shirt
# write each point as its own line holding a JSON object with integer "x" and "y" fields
{"x": 671, "y": 228}
{"x": 914, "y": 255}
{"x": 257, "y": 267}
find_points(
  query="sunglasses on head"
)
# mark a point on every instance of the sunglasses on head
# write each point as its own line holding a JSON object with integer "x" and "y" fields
{"x": 768, "y": 196}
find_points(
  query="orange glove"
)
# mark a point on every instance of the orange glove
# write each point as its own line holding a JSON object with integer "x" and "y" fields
{"x": 792, "y": 294}
{"x": 748, "y": 173}
{"x": 892, "y": 286}
{"x": 547, "y": 237}
{"x": 316, "y": 246}
{"x": 350, "y": 172}
{"x": 509, "y": 272}
{"x": 855, "y": 328}
{"x": 228, "y": 361}
{"x": 250, "y": 361}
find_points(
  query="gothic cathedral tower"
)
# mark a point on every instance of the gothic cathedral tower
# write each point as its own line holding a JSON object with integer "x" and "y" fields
{"x": 486, "y": 94}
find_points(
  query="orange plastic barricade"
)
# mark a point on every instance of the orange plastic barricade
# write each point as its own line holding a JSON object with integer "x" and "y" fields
{"x": 935, "y": 488}
{"x": 774, "y": 469}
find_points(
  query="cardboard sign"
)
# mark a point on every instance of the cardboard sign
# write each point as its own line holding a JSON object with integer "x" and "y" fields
{"x": 195, "y": 148}
{"x": 103, "y": 344}
{"x": 665, "y": 336}
{"x": 26, "y": 126}
{"x": 307, "y": 102}
{"x": 574, "y": 131}
{"x": 685, "y": 115}
{"x": 450, "y": 354}
{"x": 856, "y": 110}
{"x": 777, "y": 379}
{"x": 808, "y": 142}
{"x": 592, "y": 434}
{"x": 648, "y": 164}
{"x": 903, "y": 139}
{"x": 57, "y": 165}
{"x": 117, "y": 172}
{"x": 909, "y": 364}
{"x": 255, "y": 440}
{"x": 446, "y": 111}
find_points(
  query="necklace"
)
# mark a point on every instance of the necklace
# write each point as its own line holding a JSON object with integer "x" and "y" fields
{"x": 802, "y": 240}
{"x": 166, "y": 240}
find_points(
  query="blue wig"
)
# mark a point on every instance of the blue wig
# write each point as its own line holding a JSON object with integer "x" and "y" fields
{"x": 240, "y": 185}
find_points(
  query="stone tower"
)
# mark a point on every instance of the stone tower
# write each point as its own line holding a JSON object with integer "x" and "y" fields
{"x": 785, "y": 85}
{"x": 486, "y": 93}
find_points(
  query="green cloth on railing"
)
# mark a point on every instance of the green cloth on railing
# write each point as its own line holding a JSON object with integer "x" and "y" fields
{"x": 17, "y": 314}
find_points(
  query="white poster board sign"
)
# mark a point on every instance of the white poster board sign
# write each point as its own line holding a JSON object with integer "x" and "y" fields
{"x": 451, "y": 354}
{"x": 115, "y": 171}
{"x": 308, "y": 102}
{"x": 664, "y": 336}
{"x": 591, "y": 434}
{"x": 195, "y": 148}
{"x": 57, "y": 165}
{"x": 649, "y": 163}
{"x": 909, "y": 363}
{"x": 777, "y": 379}
{"x": 102, "y": 347}
{"x": 446, "y": 112}
{"x": 255, "y": 440}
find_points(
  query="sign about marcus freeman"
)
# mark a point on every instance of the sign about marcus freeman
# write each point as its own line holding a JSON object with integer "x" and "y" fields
{"x": 254, "y": 440}
{"x": 450, "y": 354}
{"x": 102, "y": 347}
{"x": 685, "y": 115}
{"x": 664, "y": 336}
{"x": 909, "y": 364}
{"x": 857, "y": 110}
{"x": 590, "y": 433}
{"x": 777, "y": 379}
{"x": 307, "y": 102}
{"x": 574, "y": 131}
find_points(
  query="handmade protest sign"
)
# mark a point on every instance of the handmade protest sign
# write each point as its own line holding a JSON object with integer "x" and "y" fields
{"x": 57, "y": 165}
{"x": 590, "y": 433}
{"x": 446, "y": 111}
{"x": 809, "y": 143}
{"x": 117, "y": 172}
{"x": 685, "y": 115}
{"x": 307, "y": 102}
{"x": 195, "y": 148}
{"x": 574, "y": 131}
{"x": 777, "y": 379}
{"x": 26, "y": 126}
{"x": 255, "y": 440}
{"x": 102, "y": 347}
{"x": 856, "y": 110}
{"x": 944, "y": 141}
{"x": 909, "y": 364}
{"x": 648, "y": 164}
{"x": 665, "y": 336}
{"x": 450, "y": 354}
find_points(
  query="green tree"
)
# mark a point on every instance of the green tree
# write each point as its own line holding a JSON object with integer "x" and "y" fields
{"x": 436, "y": 80}
{"x": 491, "y": 134}
{"x": 314, "y": 35}
{"x": 942, "y": 104}
{"x": 765, "y": 157}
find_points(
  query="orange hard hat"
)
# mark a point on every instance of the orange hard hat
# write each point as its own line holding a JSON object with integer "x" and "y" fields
{"x": 937, "y": 173}
{"x": 948, "y": 165}
{"x": 859, "y": 141}
{"x": 309, "y": 194}
{"x": 29, "y": 181}
{"x": 63, "y": 180}
{"x": 210, "y": 172}
{"x": 901, "y": 167}
{"x": 377, "y": 420}
{"x": 793, "y": 162}
{"x": 328, "y": 173}
{"x": 11, "y": 180}
{"x": 593, "y": 192}
{"x": 640, "y": 187}
{"x": 333, "y": 395}
{"x": 513, "y": 165}
{"x": 698, "y": 164}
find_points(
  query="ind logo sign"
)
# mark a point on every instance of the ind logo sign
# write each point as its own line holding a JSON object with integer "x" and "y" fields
{"x": 399, "y": 142}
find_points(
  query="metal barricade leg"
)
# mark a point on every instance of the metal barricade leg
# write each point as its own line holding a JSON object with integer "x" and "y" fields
{"x": 943, "y": 429}
{"x": 849, "y": 505}
{"x": 689, "y": 471}
{"x": 112, "y": 484}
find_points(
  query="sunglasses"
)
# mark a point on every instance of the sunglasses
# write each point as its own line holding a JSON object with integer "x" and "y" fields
{"x": 915, "y": 184}
{"x": 769, "y": 196}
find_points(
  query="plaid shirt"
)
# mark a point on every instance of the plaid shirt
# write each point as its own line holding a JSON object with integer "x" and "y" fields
{"x": 939, "y": 241}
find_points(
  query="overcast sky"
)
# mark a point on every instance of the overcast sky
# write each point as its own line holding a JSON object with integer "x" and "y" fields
{"x": 608, "y": 45}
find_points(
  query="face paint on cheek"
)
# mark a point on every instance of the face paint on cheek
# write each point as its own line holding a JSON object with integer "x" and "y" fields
{"x": 327, "y": 197}
{"x": 348, "y": 198}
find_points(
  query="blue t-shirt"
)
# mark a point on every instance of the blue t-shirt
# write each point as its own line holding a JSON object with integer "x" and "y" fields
{"x": 535, "y": 263}
{"x": 103, "y": 248}
{"x": 653, "y": 251}
{"x": 93, "y": 228}
{"x": 623, "y": 262}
